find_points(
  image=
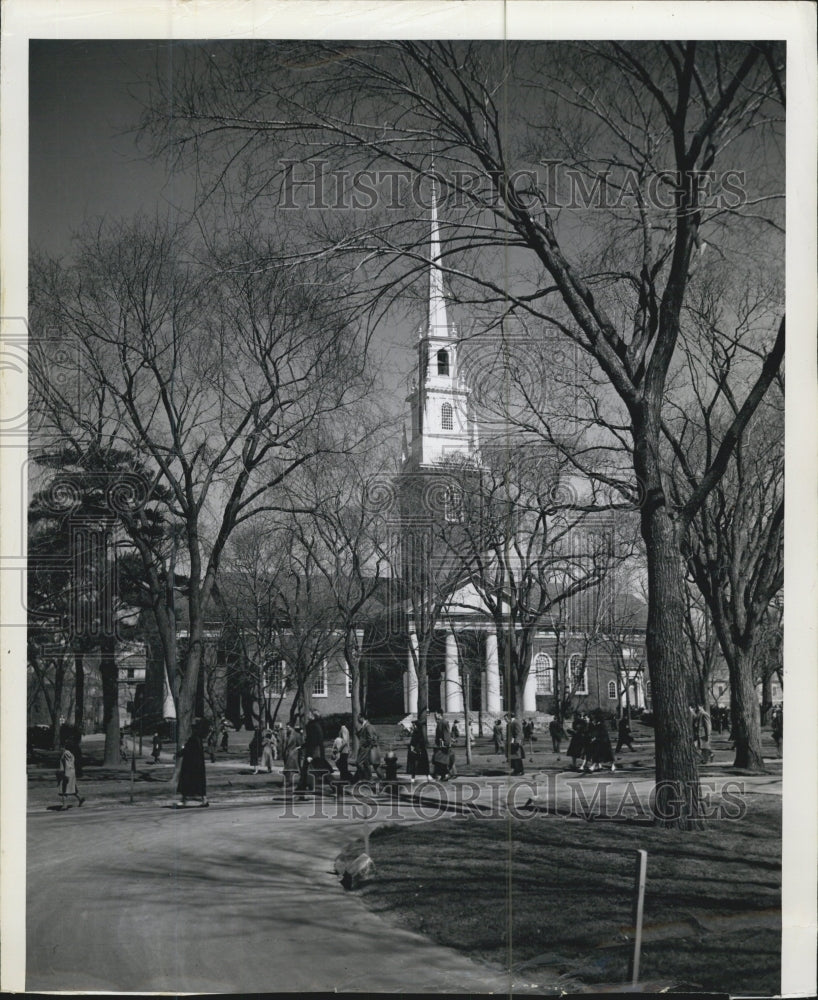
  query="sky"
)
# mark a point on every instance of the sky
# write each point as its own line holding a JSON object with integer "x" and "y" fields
{"x": 83, "y": 163}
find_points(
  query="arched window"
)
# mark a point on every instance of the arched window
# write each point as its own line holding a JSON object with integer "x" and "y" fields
{"x": 442, "y": 362}
{"x": 446, "y": 417}
{"x": 612, "y": 690}
{"x": 453, "y": 505}
{"x": 578, "y": 674}
{"x": 544, "y": 673}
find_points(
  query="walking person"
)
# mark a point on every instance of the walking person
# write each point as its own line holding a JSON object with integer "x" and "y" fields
{"x": 514, "y": 730}
{"x": 694, "y": 726}
{"x": 67, "y": 778}
{"x": 267, "y": 755}
{"x": 369, "y": 753}
{"x": 577, "y": 745}
{"x": 600, "y": 744}
{"x": 290, "y": 752}
{"x": 417, "y": 756}
{"x": 497, "y": 734}
{"x": 255, "y": 750}
{"x": 455, "y": 732}
{"x": 777, "y": 728}
{"x": 340, "y": 753}
{"x": 705, "y": 728}
{"x": 192, "y": 779}
{"x": 156, "y": 747}
{"x": 443, "y": 756}
{"x": 313, "y": 745}
{"x": 555, "y": 732}
{"x": 624, "y": 735}
{"x": 225, "y": 738}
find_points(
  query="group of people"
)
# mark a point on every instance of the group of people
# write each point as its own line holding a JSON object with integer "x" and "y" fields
{"x": 443, "y": 761}
{"x": 589, "y": 746}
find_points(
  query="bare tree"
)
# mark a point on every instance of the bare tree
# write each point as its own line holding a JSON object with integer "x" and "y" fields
{"x": 345, "y": 542}
{"x": 643, "y": 132}
{"x": 224, "y": 378}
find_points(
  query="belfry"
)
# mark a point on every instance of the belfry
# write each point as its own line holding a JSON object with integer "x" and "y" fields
{"x": 442, "y": 424}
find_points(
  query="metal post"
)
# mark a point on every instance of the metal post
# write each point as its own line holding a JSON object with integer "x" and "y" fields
{"x": 641, "y": 870}
{"x": 133, "y": 762}
{"x": 366, "y": 837}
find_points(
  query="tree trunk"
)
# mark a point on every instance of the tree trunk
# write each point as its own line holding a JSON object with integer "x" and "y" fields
{"x": 746, "y": 720}
{"x": 678, "y": 798}
{"x": 352, "y": 661}
{"x": 110, "y": 700}
{"x": 422, "y": 668}
{"x": 59, "y": 676}
{"x": 79, "y": 693}
{"x": 186, "y": 702}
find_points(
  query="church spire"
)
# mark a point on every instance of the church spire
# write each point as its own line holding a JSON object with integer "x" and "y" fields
{"x": 438, "y": 322}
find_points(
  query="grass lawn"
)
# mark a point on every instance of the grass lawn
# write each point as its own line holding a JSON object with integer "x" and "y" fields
{"x": 556, "y": 893}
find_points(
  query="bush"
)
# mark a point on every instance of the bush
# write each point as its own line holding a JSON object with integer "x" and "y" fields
{"x": 332, "y": 723}
{"x": 38, "y": 737}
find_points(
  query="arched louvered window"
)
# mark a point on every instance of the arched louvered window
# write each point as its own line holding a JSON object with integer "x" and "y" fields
{"x": 578, "y": 674}
{"x": 446, "y": 417}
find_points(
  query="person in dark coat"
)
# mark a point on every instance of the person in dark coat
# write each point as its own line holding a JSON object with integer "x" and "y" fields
{"x": 313, "y": 745}
{"x": 497, "y": 734}
{"x": 625, "y": 736}
{"x": 369, "y": 753}
{"x": 255, "y": 750}
{"x": 192, "y": 780}
{"x": 314, "y": 735}
{"x": 156, "y": 748}
{"x": 600, "y": 744}
{"x": 577, "y": 748}
{"x": 516, "y": 756}
{"x": 291, "y": 754}
{"x": 443, "y": 757}
{"x": 514, "y": 730}
{"x": 555, "y": 731}
{"x": 443, "y": 733}
{"x": 417, "y": 757}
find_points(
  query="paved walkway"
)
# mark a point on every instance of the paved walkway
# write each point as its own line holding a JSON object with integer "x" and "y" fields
{"x": 231, "y": 898}
{"x": 241, "y": 897}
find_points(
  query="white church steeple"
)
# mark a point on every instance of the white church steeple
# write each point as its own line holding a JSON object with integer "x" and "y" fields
{"x": 442, "y": 424}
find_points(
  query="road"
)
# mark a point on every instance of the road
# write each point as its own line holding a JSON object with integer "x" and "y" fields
{"x": 233, "y": 898}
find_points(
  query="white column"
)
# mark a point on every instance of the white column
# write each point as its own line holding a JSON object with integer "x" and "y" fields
{"x": 454, "y": 694}
{"x": 530, "y": 692}
{"x": 493, "y": 700}
{"x": 411, "y": 703}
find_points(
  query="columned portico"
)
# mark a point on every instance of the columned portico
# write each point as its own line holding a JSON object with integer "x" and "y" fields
{"x": 453, "y": 692}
